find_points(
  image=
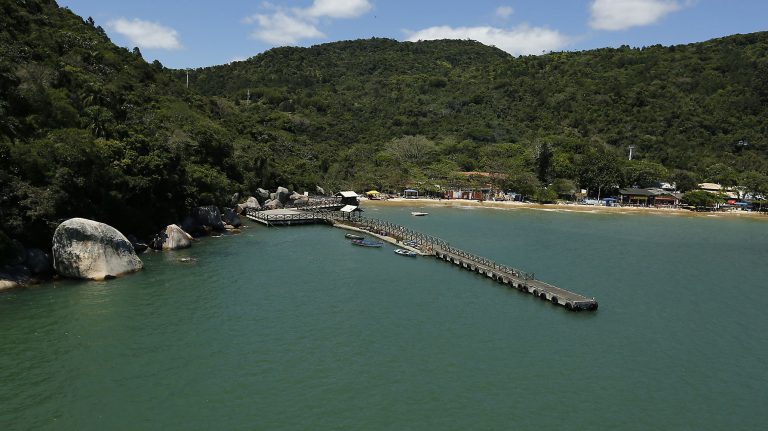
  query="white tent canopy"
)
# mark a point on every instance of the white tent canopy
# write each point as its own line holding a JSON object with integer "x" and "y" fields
{"x": 347, "y": 194}
{"x": 350, "y": 208}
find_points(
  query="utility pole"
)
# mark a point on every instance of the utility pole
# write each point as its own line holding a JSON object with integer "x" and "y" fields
{"x": 187, "y": 78}
{"x": 631, "y": 147}
{"x": 248, "y": 99}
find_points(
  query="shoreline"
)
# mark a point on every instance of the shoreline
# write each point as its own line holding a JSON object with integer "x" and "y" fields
{"x": 593, "y": 209}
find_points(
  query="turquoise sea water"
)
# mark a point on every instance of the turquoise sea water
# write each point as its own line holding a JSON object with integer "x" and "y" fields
{"x": 293, "y": 328}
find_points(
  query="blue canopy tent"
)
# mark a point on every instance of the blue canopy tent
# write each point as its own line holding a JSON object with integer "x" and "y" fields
{"x": 410, "y": 194}
{"x": 609, "y": 202}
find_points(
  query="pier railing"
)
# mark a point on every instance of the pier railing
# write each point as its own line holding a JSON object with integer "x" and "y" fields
{"x": 488, "y": 263}
{"x": 280, "y": 219}
{"x": 428, "y": 243}
{"x": 401, "y": 233}
{"x": 314, "y": 204}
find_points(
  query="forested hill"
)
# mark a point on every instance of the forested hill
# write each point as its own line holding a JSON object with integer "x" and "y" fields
{"x": 92, "y": 130}
{"x": 685, "y": 107}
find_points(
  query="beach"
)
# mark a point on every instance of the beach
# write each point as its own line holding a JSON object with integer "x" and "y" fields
{"x": 561, "y": 207}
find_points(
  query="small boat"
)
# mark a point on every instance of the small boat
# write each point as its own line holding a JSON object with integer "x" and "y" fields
{"x": 404, "y": 252}
{"x": 367, "y": 243}
{"x": 418, "y": 214}
{"x": 353, "y": 236}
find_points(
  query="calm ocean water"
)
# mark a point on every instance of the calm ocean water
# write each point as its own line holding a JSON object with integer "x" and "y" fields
{"x": 293, "y": 328}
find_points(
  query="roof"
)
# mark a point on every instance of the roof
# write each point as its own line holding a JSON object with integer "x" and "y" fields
{"x": 710, "y": 186}
{"x": 350, "y": 208}
{"x": 637, "y": 192}
{"x": 411, "y": 190}
{"x": 347, "y": 194}
{"x": 372, "y": 192}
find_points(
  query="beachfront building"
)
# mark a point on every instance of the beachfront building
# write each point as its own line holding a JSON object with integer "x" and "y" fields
{"x": 477, "y": 186}
{"x": 666, "y": 198}
{"x": 652, "y": 197}
{"x": 463, "y": 193}
{"x": 637, "y": 197}
{"x": 348, "y": 198}
{"x": 730, "y": 195}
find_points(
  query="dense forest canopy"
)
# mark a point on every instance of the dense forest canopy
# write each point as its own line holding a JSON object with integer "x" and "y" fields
{"x": 693, "y": 112}
{"x": 90, "y": 129}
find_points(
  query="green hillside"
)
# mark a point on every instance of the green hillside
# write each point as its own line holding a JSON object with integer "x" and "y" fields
{"x": 684, "y": 107}
{"x": 90, "y": 129}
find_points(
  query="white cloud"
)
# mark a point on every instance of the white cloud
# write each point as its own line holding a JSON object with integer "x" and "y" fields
{"x": 520, "y": 40}
{"x": 146, "y": 34}
{"x": 289, "y": 26}
{"x": 338, "y": 8}
{"x": 623, "y": 14}
{"x": 504, "y": 11}
{"x": 282, "y": 29}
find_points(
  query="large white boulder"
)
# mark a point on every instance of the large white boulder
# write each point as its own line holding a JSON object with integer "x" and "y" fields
{"x": 176, "y": 238}
{"x": 91, "y": 250}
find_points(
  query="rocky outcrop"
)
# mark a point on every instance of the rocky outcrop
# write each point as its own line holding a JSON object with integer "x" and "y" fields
{"x": 231, "y": 218}
{"x": 138, "y": 245}
{"x": 234, "y": 199}
{"x": 208, "y": 216}
{"x": 14, "y": 276}
{"x": 25, "y": 266}
{"x": 272, "y": 205}
{"x": 282, "y": 194}
{"x": 38, "y": 262}
{"x": 251, "y": 202}
{"x": 262, "y": 195}
{"x": 190, "y": 225}
{"x": 91, "y": 250}
{"x": 7, "y": 283}
{"x": 175, "y": 238}
{"x": 298, "y": 199}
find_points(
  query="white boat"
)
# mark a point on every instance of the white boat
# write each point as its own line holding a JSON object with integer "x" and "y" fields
{"x": 404, "y": 252}
{"x": 418, "y": 214}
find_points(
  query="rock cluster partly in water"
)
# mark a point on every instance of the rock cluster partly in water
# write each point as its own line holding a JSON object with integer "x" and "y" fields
{"x": 88, "y": 249}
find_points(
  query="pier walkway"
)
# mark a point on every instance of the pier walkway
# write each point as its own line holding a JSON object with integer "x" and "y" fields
{"x": 424, "y": 244}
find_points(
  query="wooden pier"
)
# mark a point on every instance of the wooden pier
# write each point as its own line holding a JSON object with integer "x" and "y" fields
{"x": 521, "y": 281}
{"x": 425, "y": 245}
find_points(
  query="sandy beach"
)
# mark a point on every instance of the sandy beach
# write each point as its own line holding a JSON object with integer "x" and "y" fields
{"x": 560, "y": 207}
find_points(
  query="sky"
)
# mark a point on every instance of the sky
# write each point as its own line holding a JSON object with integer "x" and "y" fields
{"x": 196, "y": 33}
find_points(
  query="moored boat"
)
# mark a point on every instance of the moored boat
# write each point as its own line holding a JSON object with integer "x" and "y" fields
{"x": 353, "y": 236}
{"x": 404, "y": 252}
{"x": 418, "y": 214}
{"x": 367, "y": 243}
